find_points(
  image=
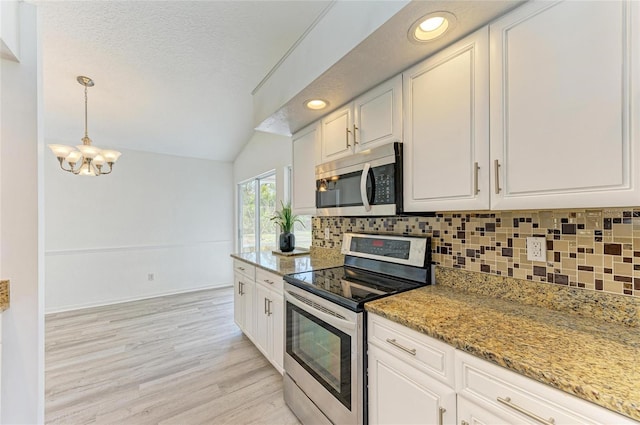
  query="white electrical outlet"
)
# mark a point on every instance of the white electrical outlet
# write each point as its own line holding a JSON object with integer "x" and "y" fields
{"x": 536, "y": 249}
{"x": 327, "y": 235}
{"x": 151, "y": 277}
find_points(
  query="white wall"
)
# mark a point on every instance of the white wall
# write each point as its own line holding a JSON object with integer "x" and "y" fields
{"x": 161, "y": 214}
{"x": 22, "y": 324}
{"x": 264, "y": 152}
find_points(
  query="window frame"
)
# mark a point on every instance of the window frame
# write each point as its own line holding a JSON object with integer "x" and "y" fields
{"x": 239, "y": 210}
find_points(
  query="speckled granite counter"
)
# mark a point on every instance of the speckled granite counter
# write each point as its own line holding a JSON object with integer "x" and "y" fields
{"x": 318, "y": 258}
{"x": 4, "y": 295}
{"x": 594, "y": 359}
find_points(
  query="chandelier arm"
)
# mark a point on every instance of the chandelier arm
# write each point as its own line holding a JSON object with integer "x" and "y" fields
{"x": 110, "y": 168}
{"x": 61, "y": 161}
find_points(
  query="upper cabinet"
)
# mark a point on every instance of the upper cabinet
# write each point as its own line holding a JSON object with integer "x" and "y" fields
{"x": 565, "y": 96}
{"x": 446, "y": 133}
{"x": 305, "y": 145}
{"x": 371, "y": 120}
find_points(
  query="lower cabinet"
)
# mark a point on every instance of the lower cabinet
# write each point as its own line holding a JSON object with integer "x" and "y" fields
{"x": 269, "y": 318}
{"x": 410, "y": 377}
{"x": 402, "y": 394}
{"x": 244, "y": 297}
{"x": 411, "y": 380}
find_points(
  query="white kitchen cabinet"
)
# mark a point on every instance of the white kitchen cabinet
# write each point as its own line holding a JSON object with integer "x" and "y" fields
{"x": 243, "y": 304}
{"x": 446, "y": 134}
{"x": 410, "y": 376}
{"x": 371, "y": 120}
{"x": 470, "y": 413}
{"x": 497, "y": 392}
{"x": 378, "y": 115}
{"x": 565, "y": 95}
{"x": 269, "y": 335}
{"x": 337, "y": 134}
{"x": 305, "y": 146}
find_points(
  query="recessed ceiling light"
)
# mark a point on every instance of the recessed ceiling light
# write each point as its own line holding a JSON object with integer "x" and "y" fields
{"x": 431, "y": 26}
{"x": 316, "y": 104}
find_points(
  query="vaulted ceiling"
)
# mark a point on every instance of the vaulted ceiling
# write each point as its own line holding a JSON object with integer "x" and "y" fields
{"x": 172, "y": 77}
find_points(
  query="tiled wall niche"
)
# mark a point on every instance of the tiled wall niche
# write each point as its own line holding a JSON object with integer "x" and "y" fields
{"x": 597, "y": 249}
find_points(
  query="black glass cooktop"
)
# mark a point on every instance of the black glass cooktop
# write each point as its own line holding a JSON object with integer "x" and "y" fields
{"x": 349, "y": 287}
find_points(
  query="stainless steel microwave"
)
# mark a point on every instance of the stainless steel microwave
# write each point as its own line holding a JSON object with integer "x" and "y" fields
{"x": 368, "y": 183}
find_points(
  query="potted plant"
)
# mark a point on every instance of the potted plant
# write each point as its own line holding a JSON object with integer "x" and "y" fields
{"x": 286, "y": 219}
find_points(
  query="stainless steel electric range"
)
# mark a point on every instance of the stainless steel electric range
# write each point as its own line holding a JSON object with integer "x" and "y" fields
{"x": 325, "y": 359}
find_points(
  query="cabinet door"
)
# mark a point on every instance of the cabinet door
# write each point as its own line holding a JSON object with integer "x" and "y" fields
{"x": 402, "y": 394}
{"x": 565, "y": 93}
{"x": 248, "y": 300}
{"x": 446, "y": 136}
{"x": 277, "y": 322}
{"x": 238, "y": 302}
{"x": 337, "y": 134}
{"x": 305, "y": 144}
{"x": 378, "y": 115}
{"x": 261, "y": 336}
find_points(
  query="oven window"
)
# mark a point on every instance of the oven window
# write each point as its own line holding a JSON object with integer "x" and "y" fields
{"x": 322, "y": 350}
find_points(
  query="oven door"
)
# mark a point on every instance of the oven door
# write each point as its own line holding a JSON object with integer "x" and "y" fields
{"x": 323, "y": 354}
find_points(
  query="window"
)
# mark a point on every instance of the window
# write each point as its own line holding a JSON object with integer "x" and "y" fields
{"x": 257, "y": 204}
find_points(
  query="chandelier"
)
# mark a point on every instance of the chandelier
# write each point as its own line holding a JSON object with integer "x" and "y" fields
{"x": 87, "y": 160}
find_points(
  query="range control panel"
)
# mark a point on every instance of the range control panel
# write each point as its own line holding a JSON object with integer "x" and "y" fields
{"x": 390, "y": 248}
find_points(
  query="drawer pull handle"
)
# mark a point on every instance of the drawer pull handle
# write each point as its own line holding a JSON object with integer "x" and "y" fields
{"x": 476, "y": 168}
{"x": 393, "y": 342}
{"x": 270, "y": 282}
{"x": 441, "y": 415}
{"x": 463, "y": 422}
{"x": 241, "y": 269}
{"x": 507, "y": 402}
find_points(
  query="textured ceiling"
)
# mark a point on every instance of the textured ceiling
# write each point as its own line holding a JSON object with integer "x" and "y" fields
{"x": 382, "y": 55}
{"x": 171, "y": 76}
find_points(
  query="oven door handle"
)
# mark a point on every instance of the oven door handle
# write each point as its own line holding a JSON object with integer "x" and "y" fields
{"x": 363, "y": 187}
{"x": 342, "y": 324}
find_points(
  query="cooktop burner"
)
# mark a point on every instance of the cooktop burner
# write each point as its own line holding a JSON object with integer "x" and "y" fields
{"x": 348, "y": 287}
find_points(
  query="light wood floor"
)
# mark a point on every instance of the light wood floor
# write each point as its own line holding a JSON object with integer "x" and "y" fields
{"x": 177, "y": 359}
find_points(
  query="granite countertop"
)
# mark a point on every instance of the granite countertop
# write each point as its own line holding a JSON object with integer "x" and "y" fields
{"x": 318, "y": 258}
{"x": 594, "y": 359}
{"x": 4, "y": 295}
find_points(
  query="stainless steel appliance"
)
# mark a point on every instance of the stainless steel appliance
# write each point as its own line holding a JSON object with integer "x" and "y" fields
{"x": 325, "y": 331}
{"x": 367, "y": 183}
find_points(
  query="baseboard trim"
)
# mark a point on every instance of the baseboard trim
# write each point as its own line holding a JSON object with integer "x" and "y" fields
{"x": 132, "y": 299}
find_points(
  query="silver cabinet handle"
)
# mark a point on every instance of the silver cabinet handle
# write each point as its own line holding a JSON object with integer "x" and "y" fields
{"x": 507, "y": 402}
{"x": 496, "y": 166}
{"x": 355, "y": 140}
{"x": 265, "y": 306}
{"x": 463, "y": 422}
{"x": 393, "y": 342}
{"x": 240, "y": 288}
{"x": 441, "y": 415}
{"x": 241, "y": 269}
{"x": 475, "y": 178}
{"x": 347, "y": 136}
{"x": 269, "y": 313}
{"x": 270, "y": 282}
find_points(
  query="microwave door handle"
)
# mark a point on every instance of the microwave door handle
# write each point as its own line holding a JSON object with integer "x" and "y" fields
{"x": 363, "y": 187}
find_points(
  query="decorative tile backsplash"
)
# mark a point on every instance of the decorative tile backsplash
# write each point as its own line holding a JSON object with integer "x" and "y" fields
{"x": 597, "y": 249}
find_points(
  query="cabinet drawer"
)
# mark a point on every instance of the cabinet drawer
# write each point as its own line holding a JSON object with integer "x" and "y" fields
{"x": 421, "y": 351}
{"x": 505, "y": 392}
{"x": 245, "y": 269}
{"x": 270, "y": 280}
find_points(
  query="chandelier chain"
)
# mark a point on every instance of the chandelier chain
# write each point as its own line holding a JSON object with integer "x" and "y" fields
{"x": 86, "y": 131}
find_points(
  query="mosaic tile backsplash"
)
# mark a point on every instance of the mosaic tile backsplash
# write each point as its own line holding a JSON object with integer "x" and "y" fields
{"x": 596, "y": 249}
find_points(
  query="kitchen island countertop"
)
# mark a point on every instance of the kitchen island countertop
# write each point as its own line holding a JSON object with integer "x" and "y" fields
{"x": 594, "y": 359}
